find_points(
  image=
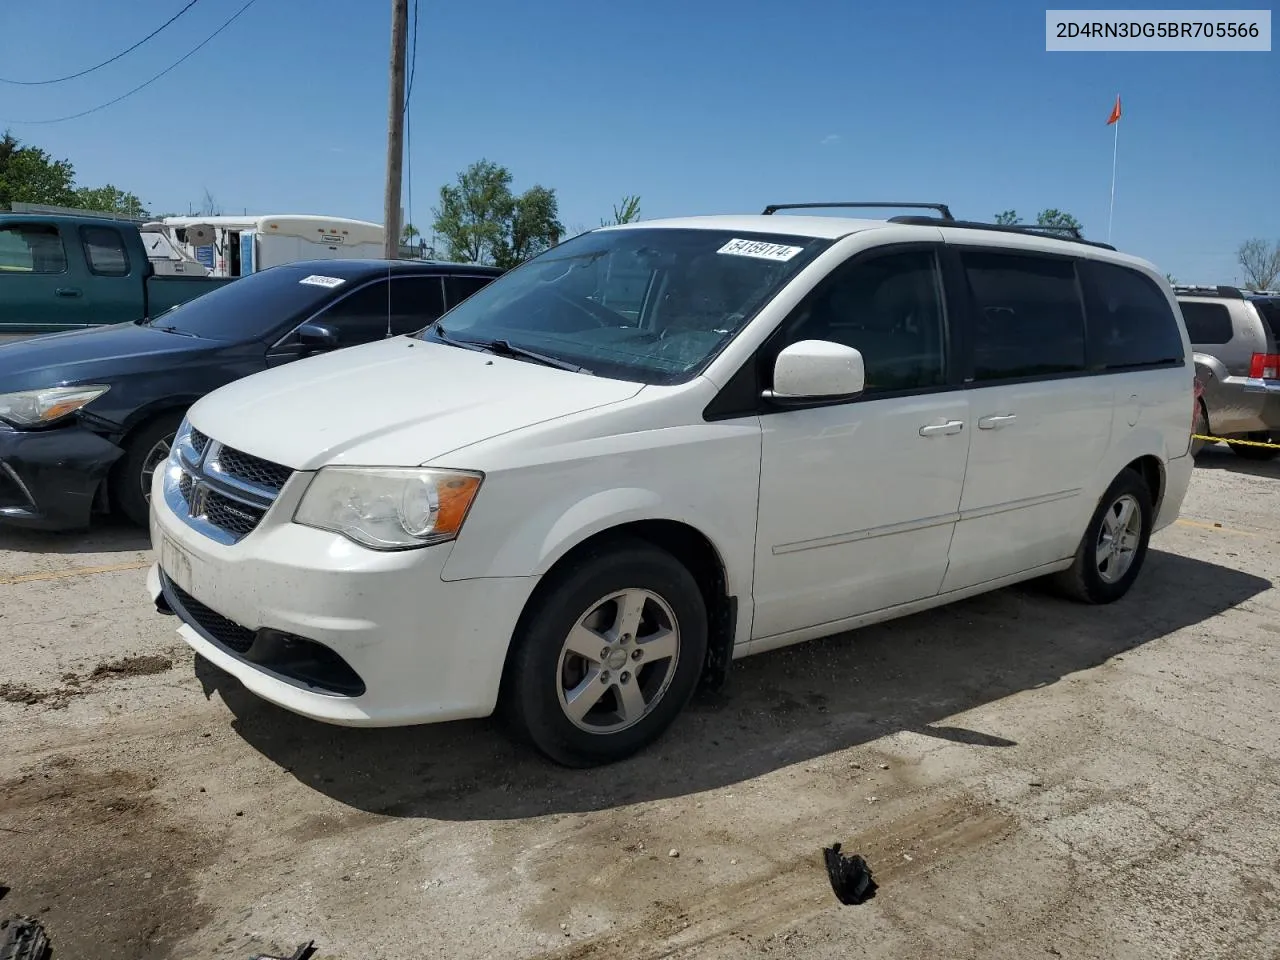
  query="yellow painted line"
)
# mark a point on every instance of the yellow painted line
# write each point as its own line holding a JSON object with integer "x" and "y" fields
{"x": 74, "y": 572}
{"x": 1214, "y": 526}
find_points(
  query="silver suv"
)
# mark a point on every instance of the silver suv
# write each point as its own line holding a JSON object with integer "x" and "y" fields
{"x": 1236, "y": 338}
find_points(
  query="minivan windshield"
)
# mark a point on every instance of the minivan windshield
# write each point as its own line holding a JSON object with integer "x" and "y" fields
{"x": 253, "y": 307}
{"x": 648, "y": 304}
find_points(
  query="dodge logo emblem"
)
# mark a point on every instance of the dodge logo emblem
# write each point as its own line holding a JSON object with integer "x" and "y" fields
{"x": 199, "y": 498}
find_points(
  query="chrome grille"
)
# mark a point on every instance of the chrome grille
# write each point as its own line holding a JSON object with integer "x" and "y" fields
{"x": 221, "y": 492}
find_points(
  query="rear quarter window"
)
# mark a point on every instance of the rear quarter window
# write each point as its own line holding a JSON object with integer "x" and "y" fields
{"x": 1269, "y": 310}
{"x": 1207, "y": 323}
{"x": 1131, "y": 323}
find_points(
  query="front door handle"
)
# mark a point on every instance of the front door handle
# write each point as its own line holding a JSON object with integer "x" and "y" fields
{"x": 68, "y": 292}
{"x": 942, "y": 429}
{"x": 995, "y": 423}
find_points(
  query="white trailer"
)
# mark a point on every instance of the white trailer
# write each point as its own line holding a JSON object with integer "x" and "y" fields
{"x": 239, "y": 246}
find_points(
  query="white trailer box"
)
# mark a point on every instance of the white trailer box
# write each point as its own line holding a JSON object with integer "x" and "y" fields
{"x": 238, "y": 246}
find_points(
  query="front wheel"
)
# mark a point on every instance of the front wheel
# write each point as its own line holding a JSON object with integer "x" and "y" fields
{"x": 1201, "y": 427}
{"x": 1114, "y": 545}
{"x": 606, "y": 655}
{"x": 146, "y": 450}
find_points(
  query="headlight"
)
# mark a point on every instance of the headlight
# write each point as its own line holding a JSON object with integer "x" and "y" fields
{"x": 32, "y": 408}
{"x": 391, "y": 508}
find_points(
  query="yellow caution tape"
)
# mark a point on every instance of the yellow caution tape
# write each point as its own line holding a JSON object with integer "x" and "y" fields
{"x": 1242, "y": 443}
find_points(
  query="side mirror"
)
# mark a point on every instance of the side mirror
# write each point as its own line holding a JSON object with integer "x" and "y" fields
{"x": 317, "y": 336}
{"x": 815, "y": 370}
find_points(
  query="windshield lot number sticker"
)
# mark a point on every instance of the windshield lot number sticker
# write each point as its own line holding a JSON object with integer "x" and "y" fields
{"x": 318, "y": 281}
{"x": 759, "y": 249}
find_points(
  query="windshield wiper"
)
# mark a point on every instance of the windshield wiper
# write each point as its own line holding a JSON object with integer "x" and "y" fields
{"x": 506, "y": 348}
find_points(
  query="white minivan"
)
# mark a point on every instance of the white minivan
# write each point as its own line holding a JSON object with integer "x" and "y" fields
{"x": 661, "y": 446}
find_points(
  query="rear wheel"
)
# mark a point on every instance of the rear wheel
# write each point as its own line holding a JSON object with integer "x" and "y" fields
{"x": 145, "y": 451}
{"x": 606, "y": 655}
{"x": 1114, "y": 545}
{"x": 1256, "y": 453}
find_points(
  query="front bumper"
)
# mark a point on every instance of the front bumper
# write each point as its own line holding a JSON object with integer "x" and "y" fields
{"x": 385, "y": 641}
{"x": 49, "y": 478}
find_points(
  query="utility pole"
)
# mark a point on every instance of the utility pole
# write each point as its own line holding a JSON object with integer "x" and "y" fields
{"x": 395, "y": 130}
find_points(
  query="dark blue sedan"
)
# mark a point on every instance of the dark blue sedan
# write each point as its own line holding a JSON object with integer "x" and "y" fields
{"x": 86, "y": 416}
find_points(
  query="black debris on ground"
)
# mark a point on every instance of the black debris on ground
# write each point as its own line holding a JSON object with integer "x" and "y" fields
{"x": 23, "y": 938}
{"x": 850, "y": 876}
{"x": 304, "y": 952}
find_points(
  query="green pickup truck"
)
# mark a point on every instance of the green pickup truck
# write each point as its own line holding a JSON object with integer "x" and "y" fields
{"x": 65, "y": 272}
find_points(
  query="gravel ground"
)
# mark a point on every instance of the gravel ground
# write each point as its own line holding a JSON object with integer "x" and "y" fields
{"x": 1026, "y": 777}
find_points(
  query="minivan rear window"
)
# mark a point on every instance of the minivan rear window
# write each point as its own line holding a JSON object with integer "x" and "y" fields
{"x": 1207, "y": 323}
{"x": 1131, "y": 323}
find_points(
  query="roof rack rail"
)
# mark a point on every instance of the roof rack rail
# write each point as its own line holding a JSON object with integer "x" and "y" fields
{"x": 1208, "y": 290}
{"x": 943, "y": 210}
{"x": 1071, "y": 234}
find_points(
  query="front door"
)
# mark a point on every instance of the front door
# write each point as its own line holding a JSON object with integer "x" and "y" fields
{"x": 38, "y": 286}
{"x": 858, "y": 500}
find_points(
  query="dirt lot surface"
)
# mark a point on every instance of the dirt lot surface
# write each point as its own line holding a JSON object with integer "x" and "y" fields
{"x": 1026, "y": 777}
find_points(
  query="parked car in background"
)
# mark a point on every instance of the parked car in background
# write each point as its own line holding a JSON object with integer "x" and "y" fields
{"x": 660, "y": 446}
{"x": 61, "y": 272}
{"x": 87, "y": 416}
{"x": 1236, "y": 338}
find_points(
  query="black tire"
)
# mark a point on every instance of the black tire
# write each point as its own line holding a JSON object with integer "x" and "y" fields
{"x": 541, "y": 665}
{"x": 1201, "y": 426}
{"x": 1256, "y": 453}
{"x": 1084, "y": 581}
{"x": 127, "y": 495}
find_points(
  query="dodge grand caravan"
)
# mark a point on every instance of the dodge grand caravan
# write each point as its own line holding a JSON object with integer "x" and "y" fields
{"x": 661, "y": 446}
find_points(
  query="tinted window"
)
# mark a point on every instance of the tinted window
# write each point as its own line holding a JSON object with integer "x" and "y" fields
{"x": 1206, "y": 322}
{"x": 888, "y": 308}
{"x": 1130, "y": 322}
{"x": 104, "y": 250}
{"x": 33, "y": 248}
{"x": 653, "y": 305}
{"x": 415, "y": 302}
{"x": 1269, "y": 310}
{"x": 459, "y": 288}
{"x": 1027, "y": 316}
{"x": 361, "y": 316}
{"x": 259, "y": 306}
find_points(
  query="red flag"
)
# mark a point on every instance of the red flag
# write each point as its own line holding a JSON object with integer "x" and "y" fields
{"x": 1115, "y": 112}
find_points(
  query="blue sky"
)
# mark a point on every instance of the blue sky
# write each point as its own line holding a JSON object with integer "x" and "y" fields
{"x": 700, "y": 107}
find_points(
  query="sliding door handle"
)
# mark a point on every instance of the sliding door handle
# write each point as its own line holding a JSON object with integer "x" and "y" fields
{"x": 995, "y": 423}
{"x": 942, "y": 429}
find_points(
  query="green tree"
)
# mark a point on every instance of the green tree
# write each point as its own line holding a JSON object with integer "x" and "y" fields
{"x": 531, "y": 226}
{"x": 1260, "y": 262}
{"x": 110, "y": 199}
{"x": 482, "y": 221}
{"x": 30, "y": 175}
{"x": 409, "y": 233}
{"x": 1057, "y": 220}
{"x": 1008, "y": 218}
{"x": 629, "y": 212}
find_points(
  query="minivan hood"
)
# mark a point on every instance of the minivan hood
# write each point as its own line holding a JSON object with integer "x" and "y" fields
{"x": 93, "y": 354}
{"x": 397, "y": 402}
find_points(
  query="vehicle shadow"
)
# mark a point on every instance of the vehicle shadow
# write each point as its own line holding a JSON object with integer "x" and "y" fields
{"x": 107, "y": 535}
{"x": 778, "y": 709}
{"x": 1219, "y": 457}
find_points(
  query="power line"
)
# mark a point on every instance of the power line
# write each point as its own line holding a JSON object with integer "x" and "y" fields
{"x": 72, "y": 76}
{"x": 168, "y": 69}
